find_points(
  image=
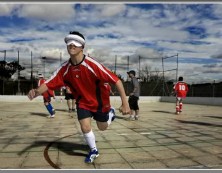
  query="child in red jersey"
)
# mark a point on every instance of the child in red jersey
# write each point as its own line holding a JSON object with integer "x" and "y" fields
{"x": 180, "y": 89}
{"x": 47, "y": 97}
{"x": 86, "y": 77}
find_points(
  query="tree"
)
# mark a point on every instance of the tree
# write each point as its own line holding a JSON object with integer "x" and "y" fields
{"x": 7, "y": 69}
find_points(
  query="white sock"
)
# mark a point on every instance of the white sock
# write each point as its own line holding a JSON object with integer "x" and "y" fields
{"x": 90, "y": 140}
{"x": 111, "y": 114}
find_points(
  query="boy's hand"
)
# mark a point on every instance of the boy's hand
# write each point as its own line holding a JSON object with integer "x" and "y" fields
{"x": 124, "y": 110}
{"x": 32, "y": 94}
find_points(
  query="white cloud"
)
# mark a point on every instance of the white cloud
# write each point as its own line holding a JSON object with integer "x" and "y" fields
{"x": 116, "y": 30}
{"x": 47, "y": 12}
{"x": 7, "y": 9}
{"x": 111, "y": 9}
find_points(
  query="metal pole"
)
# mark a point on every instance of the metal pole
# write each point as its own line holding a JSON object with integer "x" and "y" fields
{"x": 18, "y": 75}
{"x": 60, "y": 58}
{"x": 177, "y": 69}
{"x": 115, "y": 62}
{"x": 163, "y": 76}
{"x": 127, "y": 88}
{"x": 128, "y": 63}
{"x": 139, "y": 66}
{"x": 5, "y": 55}
{"x": 214, "y": 88}
{"x": 3, "y": 79}
{"x": 44, "y": 58}
{"x": 31, "y": 70}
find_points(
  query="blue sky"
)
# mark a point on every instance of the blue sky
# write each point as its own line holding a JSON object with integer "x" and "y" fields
{"x": 151, "y": 31}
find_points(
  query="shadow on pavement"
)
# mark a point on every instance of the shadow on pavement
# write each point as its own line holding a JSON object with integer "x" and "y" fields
{"x": 214, "y": 117}
{"x": 39, "y": 114}
{"x": 199, "y": 123}
{"x": 62, "y": 110}
{"x": 66, "y": 147}
{"x": 168, "y": 112}
{"x": 119, "y": 117}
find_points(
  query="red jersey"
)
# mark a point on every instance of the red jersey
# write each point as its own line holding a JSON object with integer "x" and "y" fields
{"x": 181, "y": 89}
{"x": 49, "y": 93}
{"x": 108, "y": 88}
{"x": 86, "y": 80}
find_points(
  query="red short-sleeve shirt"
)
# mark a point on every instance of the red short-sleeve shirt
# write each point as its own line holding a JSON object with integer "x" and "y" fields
{"x": 86, "y": 80}
{"x": 181, "y": 89}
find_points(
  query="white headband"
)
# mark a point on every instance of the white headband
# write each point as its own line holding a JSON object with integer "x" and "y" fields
{"x": 74, "y": 39}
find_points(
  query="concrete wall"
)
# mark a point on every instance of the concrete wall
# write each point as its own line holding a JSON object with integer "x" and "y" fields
{"x": 190, "y": 100}
{"x": 214, "y": 101}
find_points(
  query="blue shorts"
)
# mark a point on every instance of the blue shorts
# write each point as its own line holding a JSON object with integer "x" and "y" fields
{"x": 98, "y": 116}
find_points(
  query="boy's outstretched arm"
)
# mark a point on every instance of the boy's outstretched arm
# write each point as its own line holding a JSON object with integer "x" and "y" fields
{"x": 125, "y": 109}
{"x": 33, "y": 93}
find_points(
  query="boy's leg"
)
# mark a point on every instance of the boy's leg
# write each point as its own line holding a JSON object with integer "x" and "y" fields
{"x": 137, "y": 114}
{"x": 136, "y": 109}
{"x": 69, "y": 106}
{"x": 180, "y": 105}
{"x": 73, "y": 105}
{"x": 112, "y": 115}
{"x": 131, "y": 117}
{"x": 90, "y": 140}
{"x": 103, "y": 120}
{"x": 89, "y": 136}
{"x": 131, "y": 105}
{"x": 49, "y": 107}
{"x": 177, "y": 105}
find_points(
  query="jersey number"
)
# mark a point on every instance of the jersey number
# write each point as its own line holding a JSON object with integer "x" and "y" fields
{"x": 182, "y": 87}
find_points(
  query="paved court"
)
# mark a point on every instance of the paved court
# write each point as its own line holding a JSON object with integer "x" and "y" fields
{"x": 158, "y": 140}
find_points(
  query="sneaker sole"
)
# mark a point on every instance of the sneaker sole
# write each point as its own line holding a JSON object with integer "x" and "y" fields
{"x": 51, "y": 117}
{"x": 93, "y": 159}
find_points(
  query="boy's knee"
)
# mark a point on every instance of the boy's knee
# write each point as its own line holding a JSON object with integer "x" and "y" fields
{"x": 86, "y": 129}
{"x": 102, "y": 126}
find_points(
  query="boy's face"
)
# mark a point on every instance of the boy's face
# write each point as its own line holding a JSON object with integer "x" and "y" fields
{"x": 74, "y": 50}
{"x": 130, "y": 75}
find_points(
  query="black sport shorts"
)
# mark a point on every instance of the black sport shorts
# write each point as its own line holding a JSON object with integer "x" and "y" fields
{"x": 98, "y": 116}
{"x": 133, "y": 102}
{"x": 69, "y": 96}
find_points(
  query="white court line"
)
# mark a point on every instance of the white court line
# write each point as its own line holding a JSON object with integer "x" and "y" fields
{"x": 142, "y": 133}
{"x": 145, "y": 133}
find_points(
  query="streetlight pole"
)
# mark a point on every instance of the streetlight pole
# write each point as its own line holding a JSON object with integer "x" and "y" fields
{"x": 31, "y": 70}
{"x": 60, "y": 58}
{"x": 3, "y": 80}
{"x": 44, "y": 58}
{"x": 18, "y": 75}
{"x": 115, "y": 62}
{"x": 139, "y": 65}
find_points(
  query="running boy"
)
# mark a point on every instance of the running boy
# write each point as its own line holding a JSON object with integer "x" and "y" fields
{"x": 180, "y": 89}
{"x": 47, "y": 97}
{"x": 86, "y": 77}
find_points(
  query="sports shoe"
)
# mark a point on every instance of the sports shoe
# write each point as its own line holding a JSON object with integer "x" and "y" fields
{"x": 136, "y": 117}
{"x": 91, "y": 156}
{"x": 73, "y": 110}
{"x": 51, "y": 116}
{"x": 131, "y": 118}
{"x": 70, "y": 110}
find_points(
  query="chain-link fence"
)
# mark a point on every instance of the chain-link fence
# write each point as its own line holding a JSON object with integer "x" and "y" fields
{"x": 156, "y": 75}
